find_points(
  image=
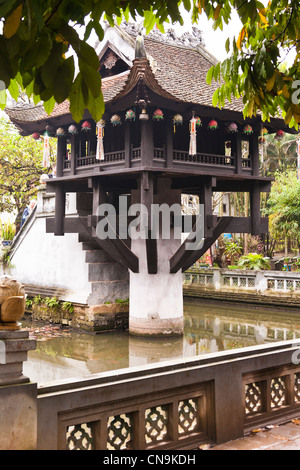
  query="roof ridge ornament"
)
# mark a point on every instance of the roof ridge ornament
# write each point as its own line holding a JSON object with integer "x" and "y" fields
{"x": 140, "y": 52}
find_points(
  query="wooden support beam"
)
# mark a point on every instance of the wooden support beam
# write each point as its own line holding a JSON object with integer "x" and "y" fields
{"x": 185, "y": 258}
{"x": 254, "y": 152}
{"x": 237, "y": 151}
{"x": 206, "y": 200}
{"x": 169, "y": 144}
{"x": 127, "y": 145}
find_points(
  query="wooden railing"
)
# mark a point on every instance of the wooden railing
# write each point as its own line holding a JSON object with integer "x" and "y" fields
{"x": 175, "y": 405}
{"x": 180, "y": 157}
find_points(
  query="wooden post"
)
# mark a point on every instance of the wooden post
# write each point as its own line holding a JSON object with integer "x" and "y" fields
{"x": 74, "y": 153}
{"x": 255, "y": 209}
{"x": 127, "y": 145}
{"x": 237, "y": 151}
{"x": 60, "y": 155}
{"x": 206, "y": 200}
{"x": 169, "y": 144}
{"x": 254, "y": 153}
{"x": 147, "y": 147}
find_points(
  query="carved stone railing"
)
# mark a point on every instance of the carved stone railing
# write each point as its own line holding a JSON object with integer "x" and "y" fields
{"x": 174, "y": 405}
{"x": 276, "y": 286}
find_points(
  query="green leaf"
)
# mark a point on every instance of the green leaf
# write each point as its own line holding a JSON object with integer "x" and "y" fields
{"x": 49, "y": 105}
{"x": 215, "y": 98}
{"x": 210, "y": 75}
{"x": 96, "y": 107}
{"x": 77, "y": 104}
{"x": 14, "y": 89}
{"x": 91, "y": 77}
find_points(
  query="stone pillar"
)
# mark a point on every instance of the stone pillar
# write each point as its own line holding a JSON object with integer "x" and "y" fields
{"x": 18, "y": 397}
{"x": 156, "y": 300}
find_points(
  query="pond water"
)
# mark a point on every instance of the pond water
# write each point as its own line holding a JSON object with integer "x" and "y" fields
{"x": 209, "y": 327}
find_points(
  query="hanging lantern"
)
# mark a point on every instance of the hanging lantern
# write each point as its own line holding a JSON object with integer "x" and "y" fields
{"x": 232, "y": 128}
{"x": 198, "y": 121}
{"x": 60, "y": 132}
{"x": 46, "y": 150}
{"x": 279, "y": 135}
{"x": 115, "y": 120}
{"x": 86, "y": 126}
{"x": 130, "y": 115}
{"x": 264, "y": 131}
{"x": 158, "y": 115}
{"x": 36, "y": 136}
{"x": 213, "y": 125}
{"x": 248, "y": 129}
{"x": 177, "y": 120}
{"x": 72, "y": 129}
{"x": 100, "y": 136}
{"x": 193, "y": 136}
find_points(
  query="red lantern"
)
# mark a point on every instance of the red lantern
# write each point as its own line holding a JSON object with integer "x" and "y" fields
{"x": 36, "y": 136}
{"x": 86, "y": 126}
{"x": 213, "y": 125}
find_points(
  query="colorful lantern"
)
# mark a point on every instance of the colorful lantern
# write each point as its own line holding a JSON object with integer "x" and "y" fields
{"x": 177, "y": 119}
{"x": 130, "y": 115}
{"x": 86, "y": 126}
{"x": 46, "y": 150}
{"x": 232, "y": 128}
{"x": 100, "y": 136}
{"x": 158, "y": 115}
{"x": 279, "y": 134}
{"x": 36, "y": 136}
{"x": 198, "y": 121}
{"x": 72, "y": 129}
{"x": 60, "y": 132}
{"x": 115, "y": 120}
{"x": 264, "y": 131}
{"x": 248, "y": 129}
{"x": 213, "y": 125}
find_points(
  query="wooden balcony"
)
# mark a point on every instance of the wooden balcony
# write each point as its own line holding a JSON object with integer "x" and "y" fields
{"x": 224, "y": 164}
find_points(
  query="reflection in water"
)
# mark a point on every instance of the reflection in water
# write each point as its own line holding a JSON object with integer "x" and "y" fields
{"x": 209, "y": 327}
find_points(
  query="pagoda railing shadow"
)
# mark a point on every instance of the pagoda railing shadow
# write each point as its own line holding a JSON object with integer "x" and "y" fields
{"x": 180, "y": 159}
{"x": 212, "y": 398}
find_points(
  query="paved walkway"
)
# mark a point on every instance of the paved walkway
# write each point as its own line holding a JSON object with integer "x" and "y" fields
{"x": 283, "y": 437}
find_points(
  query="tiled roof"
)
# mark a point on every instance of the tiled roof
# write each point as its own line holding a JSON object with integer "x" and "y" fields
{"x": 178, "y": 70}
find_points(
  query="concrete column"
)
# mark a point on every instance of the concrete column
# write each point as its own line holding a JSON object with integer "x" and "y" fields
{"x": 18, "y": 397}
{"x": 156, "y": 300}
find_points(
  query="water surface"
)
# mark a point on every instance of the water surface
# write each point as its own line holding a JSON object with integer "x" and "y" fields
{"x": 208, "y": 327}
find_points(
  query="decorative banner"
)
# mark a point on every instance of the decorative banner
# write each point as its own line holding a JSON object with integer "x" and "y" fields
{"x": 100, "y": 136}
{"x": 193, "y": 136}
{"x": 46, "y": 152}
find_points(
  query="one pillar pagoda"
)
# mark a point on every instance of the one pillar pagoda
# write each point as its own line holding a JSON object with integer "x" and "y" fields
{"x": 159, "y": 138}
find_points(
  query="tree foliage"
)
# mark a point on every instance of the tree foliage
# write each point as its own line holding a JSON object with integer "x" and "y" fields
{"x": 20, "y": 168}
{"x": 40, "y": 47}
{"x": 283, "y": 206}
